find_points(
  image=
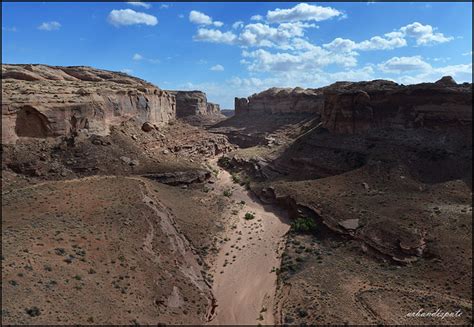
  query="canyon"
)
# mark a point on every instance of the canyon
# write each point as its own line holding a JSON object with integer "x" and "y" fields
{"x": 127, "y": 204}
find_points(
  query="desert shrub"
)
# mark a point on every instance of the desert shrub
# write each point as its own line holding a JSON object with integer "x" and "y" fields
{"x": 304, "y": 225}
{"x": 224, "y": 162}
{"x": 249, "y": 216}
{"x": 235, "y": 178}
{"x": 228, "y": 193}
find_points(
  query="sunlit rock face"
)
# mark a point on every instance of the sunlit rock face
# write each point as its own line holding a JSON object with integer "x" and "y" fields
{"x": 50, "y": 101}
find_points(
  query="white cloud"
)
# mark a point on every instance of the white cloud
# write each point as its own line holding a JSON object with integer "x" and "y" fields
{"x": 139, "y": 57}
{"x": 302, "y": 12}
{"x": 382, "y": 43}
{"x": 217, "y": 68}
{"x": 125, "y": 17}
{"x": 49, "y": 26}
{"x": 404, "y": 64}
{"x": 139, "y": 4}
{"x": 200, "y": 18}
{"x": 181, "y": 16}
{"x": 127, "y": 71}
{"x": 467, "y": 53}
{"x": 461, "y": 73}
{"x": 164, "y": 6}
{"x": 390, "y": 41}
{"x": 197, "y": 17}
{"x": 238, "y": 24}
{"x": 214, "y": 36}
{"x": 256, "y": 17}
{"x": 424, "y": 34}
{"x": 259, "y": 34}
{"x": 311, "y": 59}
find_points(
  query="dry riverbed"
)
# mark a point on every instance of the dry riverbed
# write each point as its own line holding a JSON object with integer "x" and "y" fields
{"x": 244, "y": 271}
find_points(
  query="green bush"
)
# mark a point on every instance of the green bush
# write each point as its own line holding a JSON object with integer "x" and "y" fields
{"x": 304, "y": 225}
{"x": 224, "y": 162}
{"x": 228, "y": 193}
{"x": 249, "y": 216}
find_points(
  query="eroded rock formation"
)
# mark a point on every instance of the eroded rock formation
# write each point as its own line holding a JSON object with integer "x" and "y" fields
{"x": 194, "y": 103}
{"x": 281, "y": 101}
{"x": 41, "y": 101}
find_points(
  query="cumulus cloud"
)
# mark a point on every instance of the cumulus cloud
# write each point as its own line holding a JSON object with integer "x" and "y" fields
{"x": 214, "y": 36}
{"x": 126, "y": 17}
{"x": 256, "y": 17}
{"x": 404, "y": 64}
{"x": 139, "y": 4}
{"x": 127, "y": 71}
{"x": 424, "y": 34}
{"x": 49, "y": 26}
{"x": 302, "y": 12}
{"x": 308, "y": 60}
{"x": 282, "y": 36}
{"x": 217, "y": 68}
{"x": 197, "y": 17}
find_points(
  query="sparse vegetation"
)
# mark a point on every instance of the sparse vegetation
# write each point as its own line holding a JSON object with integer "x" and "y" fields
{"x": 228, "y": 193}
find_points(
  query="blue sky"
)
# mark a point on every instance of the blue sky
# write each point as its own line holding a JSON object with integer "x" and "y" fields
{"x": 237, "y": 49}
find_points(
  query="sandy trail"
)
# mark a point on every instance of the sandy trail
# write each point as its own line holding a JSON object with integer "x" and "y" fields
{"x": 244, "y": 270}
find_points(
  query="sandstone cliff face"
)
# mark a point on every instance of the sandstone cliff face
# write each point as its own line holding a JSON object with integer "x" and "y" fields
{"x": 347, "y": 107}
{"x": 47, "y": 101}
{"x": 213, "y": 109}
{"x": 357, "y": 107}
{"x": 281, "y": 101}
{"x": 194, "y": 103}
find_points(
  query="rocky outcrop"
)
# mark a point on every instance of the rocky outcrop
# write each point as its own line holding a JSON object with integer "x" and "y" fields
{"x": 281, "y": 101}
{"x": 49, "y": 101}
{"x": 357, "y": 107}
{"x": 194, "y": 103}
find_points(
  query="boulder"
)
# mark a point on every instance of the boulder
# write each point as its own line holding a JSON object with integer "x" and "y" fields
{"x": 147, "y": 127}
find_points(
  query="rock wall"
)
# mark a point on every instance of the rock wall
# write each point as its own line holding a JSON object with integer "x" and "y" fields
{"x": 49, "y": 101}
{"x": 213, "y": 109}
{"x": 281, "y": 101}
{"x": 347, "y": 107}
{"x": 357, "y": 107}
{"x": 194, "y": 103}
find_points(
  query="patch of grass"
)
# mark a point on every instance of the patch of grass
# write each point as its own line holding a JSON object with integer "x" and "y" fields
{"x": 249, "y": 216}
{"x": 228, "y": 193}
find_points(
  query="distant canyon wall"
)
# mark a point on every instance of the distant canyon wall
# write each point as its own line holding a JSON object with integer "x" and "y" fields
{"x": 281, "y": 101}
{"x": 347, "y": 107}
{"x": 51, "y": 101}
{"x": 190, "y": 103}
